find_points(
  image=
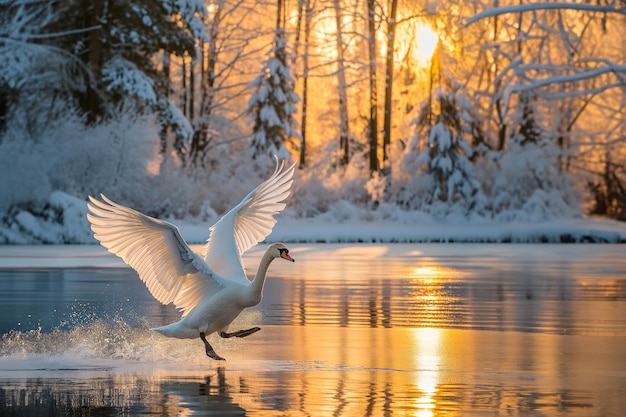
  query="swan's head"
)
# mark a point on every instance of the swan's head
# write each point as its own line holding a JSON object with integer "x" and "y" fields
{"x": 279, "y": 250}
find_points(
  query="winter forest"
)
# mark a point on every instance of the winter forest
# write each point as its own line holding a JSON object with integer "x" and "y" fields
{"x": 455, "y": 111}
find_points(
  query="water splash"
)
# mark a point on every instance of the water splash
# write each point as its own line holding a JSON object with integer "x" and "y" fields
{"x": 86, "y": 342}
{"x": 100, "y": 344}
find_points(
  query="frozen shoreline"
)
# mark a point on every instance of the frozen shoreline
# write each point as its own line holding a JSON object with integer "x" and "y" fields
{"x": 313, "y": 231}
{"x": 344, "y": 225}
{"x": 290, "y": 230}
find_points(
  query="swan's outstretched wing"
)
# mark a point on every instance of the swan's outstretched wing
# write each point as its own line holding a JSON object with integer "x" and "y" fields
{"x": 156, "y": 250}
{"x": 247, "y": 224}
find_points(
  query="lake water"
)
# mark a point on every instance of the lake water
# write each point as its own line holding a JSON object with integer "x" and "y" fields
{"x": 347, "y": 330}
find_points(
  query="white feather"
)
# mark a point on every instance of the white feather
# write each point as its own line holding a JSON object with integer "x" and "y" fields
{"x": 247, "y": 224}
{"x": 212, "y": 292}
{"x": 155, "y": 249}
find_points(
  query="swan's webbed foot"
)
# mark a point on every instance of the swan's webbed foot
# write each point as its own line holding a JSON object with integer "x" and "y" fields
{"x": 240, "y": 333}
{"x": 209, "y": 349}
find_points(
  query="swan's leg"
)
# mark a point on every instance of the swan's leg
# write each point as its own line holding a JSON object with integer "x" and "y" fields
{"x": 240, "y": 333}
{"x": 209, "y": 349}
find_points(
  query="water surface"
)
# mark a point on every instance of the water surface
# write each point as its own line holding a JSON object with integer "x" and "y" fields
{"x": 349, "y": 330}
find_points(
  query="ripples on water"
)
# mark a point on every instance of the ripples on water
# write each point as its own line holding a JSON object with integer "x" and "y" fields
{"x": 558, "y": 296}
{"x": 353, "y": 331}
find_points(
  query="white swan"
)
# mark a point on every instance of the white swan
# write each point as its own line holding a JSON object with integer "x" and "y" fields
{"x": 213, "y": 291}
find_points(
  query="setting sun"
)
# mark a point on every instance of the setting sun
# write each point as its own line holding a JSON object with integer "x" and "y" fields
{"x": 415, "y": 43}
{"x": 426, "y": 42}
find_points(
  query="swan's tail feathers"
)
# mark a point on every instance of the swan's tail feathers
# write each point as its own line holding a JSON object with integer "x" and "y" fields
{"x": 177, "y": 330}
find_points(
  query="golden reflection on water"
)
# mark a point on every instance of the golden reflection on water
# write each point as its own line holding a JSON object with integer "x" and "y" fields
{"x": 427, "y": 340}
{"x": 431, "y": 272}
{"x": 354, "y": 332}
{"x": 331, "y": 370}
{"x": 427, "y": 356}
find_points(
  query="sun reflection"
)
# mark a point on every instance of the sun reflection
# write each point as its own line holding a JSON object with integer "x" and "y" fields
{"x": 428, "y": 359}
{"x": 428, "y": 273}
{"x": 428, "y": 355}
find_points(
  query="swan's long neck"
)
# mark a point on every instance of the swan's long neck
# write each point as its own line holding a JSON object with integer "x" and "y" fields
{"x": 256, "y": 287}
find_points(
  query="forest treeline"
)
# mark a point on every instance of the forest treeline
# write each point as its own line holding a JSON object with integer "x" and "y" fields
{"x": 481, "y": 109}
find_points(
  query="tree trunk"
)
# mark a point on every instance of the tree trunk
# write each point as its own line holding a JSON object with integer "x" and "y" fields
{"x": 344, "y": 128}
{"x": 502, "y": 127}
{"x": 208, "y": 58}
{"x": 166, "y": 77}
{"x": 4, "y": 108}
{"x": 192, "y": 92}
{"x": 302, "y": 5}
{"x": 305, "y": 82}
{"x": 92, "y": 106}
{"x": 184, "y": 86}
{"x": 279, "y": 8}
{"x": 391, "y": 36}
{"x": 373, "y": 121}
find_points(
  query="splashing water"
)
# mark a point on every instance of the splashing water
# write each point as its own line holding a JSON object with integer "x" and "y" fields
{"x": 102, "y": 344}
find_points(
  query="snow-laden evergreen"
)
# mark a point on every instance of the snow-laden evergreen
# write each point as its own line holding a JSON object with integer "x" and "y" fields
{"x": 94, "y": 57}
{"x": 273, "y": 106}
{"x": 122, "y": 76}
{"x": 446, "y": 157}
{"x": 436, "y": 163}
{"x": 191, "y": 13}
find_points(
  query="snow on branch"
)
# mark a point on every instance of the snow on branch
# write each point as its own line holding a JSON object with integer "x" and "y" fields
{"x": 581, "y": 76}
{"x": 521, "y": 8}
{"x": 566, "y": 78}
{"x": 121, "y": 74}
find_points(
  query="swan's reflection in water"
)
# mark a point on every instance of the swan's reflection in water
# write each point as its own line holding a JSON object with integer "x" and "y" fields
{"x": 347, "y": 331}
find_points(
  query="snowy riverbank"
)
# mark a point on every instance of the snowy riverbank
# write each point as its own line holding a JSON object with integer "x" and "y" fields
{"x": 64, "y": 221}
{"x": 312, "y": 231}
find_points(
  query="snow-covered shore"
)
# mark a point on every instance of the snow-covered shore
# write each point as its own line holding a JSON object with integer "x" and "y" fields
{"x": 312, "y": 231}
{"x": 65, "y": 222}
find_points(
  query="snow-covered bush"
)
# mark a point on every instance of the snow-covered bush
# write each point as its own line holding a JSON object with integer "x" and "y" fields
{"x": 323, "y": 185}
{"x": 530, "y": 186}
{"x": 528, "y": 182}
{"x": 59, "y": 218}
{"x": 375, "y": 187}
{"x": 70, "y": 157}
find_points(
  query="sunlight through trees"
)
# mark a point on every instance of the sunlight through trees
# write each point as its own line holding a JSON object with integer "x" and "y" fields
{"x": 539, "y": 97}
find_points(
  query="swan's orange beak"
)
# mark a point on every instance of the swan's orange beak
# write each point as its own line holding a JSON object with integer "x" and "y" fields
{"x": 285, "y": 255}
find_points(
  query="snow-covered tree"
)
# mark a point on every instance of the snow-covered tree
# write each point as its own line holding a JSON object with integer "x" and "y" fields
{"x": 118, "y": 42}
{"x": 93, "y": 55}
{"x": 529, "y": 130}
{"x": 447, "y": 159}
{"x": 549, "y": 78}
{"x": 273, "y": 105}
{"x": 37, "y": 77}
{"x": 448, "y": 151}
{"x": 609, "y": 192}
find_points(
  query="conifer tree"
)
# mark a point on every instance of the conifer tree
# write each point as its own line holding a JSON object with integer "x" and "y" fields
{"x": 448, "y": 153}
{"x": 529, "y": 131}
{"x": 273, "y": 105}
{"x": 118, "y": 42}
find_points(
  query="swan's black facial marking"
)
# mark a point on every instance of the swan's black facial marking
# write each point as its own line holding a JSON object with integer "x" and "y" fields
{"x": 284, "y": 253}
